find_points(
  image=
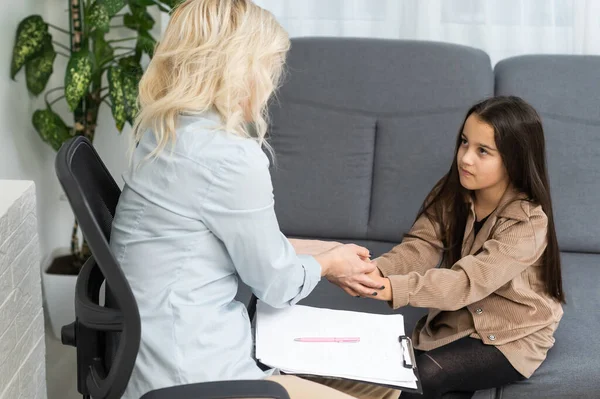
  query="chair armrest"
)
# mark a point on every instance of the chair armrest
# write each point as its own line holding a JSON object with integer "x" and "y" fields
{"x": 222, "y": 390}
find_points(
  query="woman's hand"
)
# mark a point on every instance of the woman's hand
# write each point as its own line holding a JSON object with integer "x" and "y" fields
{"x": 312, "y": 247}
{"x": 348, "y": 266}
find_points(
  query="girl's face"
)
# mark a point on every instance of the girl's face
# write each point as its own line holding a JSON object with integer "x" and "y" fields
{"x": 480, "y": 165}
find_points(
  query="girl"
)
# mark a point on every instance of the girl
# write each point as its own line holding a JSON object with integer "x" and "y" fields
{"x": 194, "y": 218}
{"x": 495, "y": 301}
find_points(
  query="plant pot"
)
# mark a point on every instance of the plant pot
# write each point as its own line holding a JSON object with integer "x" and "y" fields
{"x": 58, "y": 291}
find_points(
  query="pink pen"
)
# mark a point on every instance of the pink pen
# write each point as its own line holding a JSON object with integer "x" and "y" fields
{"x": 328, "y": 339}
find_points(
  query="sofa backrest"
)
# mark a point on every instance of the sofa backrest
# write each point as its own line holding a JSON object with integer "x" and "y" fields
{"x": 363, "y": 128}
{"x": 564, "y": 90}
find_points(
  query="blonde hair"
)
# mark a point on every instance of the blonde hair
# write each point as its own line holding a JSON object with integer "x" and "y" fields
{"x": 221, "y": 55}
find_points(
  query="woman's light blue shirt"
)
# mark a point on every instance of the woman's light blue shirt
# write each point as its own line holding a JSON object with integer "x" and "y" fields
{"x": 188, "y": 225}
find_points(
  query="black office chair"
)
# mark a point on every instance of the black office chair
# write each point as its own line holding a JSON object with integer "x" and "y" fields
{"x": 107, "y": 337}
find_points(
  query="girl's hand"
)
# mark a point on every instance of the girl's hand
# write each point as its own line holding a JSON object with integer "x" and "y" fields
{"x": 374, "y": 279}
{"x": 384, "y": 294}
{"x": 358, "y": 286}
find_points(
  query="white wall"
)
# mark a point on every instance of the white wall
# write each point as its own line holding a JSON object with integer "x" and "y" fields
{"x": 23, "y": 155}
{"x": 22, "y": 366}
{"x": 502, "y": 28}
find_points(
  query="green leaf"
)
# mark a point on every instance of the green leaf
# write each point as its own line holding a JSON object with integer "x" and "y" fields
{"x": 132, "y": 73}
{"x": 145, "y": 43}
{"x": 103, "y": 51}
{"x": 77, "y": 77}
{"x": 139, "y": 19}
{"x": 131, "y": 65}
{"x": 98, "y": 18}
{"x": 117, "y": 96}
{"x": 130, "y": 92}
{"x": 28, "y": 43}
{"x": 51, "y": 128}
{"x": 112, "y": 6}
{"x": 39, "y": 69}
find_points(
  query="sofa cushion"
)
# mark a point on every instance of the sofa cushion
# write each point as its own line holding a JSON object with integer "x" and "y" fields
{"x": 564, "y": 90}
{"x": 412, "y": 153}
{"x": 322, "y": 186}
{"x": 350, "y": 127}
{"x": 571, "y": 368}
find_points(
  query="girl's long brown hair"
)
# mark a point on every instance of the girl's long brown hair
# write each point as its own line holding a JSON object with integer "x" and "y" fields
{"x": 519, "y": 137}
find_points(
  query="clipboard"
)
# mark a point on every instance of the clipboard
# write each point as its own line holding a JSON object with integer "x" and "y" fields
{"x": 410, "y": 364}
{"x": 406, "y": 359}
{"x": 409, "y": 350}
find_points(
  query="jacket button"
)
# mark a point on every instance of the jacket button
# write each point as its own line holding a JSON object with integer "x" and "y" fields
{"x": 492, "y": 337}
{"x": 479, "y": 311}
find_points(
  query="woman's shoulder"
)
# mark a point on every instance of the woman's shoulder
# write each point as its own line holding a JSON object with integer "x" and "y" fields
{"x": 202, "y": 139}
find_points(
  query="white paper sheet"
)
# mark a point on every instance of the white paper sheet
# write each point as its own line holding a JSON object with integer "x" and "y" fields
{"x": 378, "y": 357}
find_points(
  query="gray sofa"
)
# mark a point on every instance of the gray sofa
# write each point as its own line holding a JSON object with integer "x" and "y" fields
{"x": 363, "y": 128}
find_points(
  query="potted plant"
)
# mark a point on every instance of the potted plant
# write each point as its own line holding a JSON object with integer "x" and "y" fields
{"x": 100, "y": 70}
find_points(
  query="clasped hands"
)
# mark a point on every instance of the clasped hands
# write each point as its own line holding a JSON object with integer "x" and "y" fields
{"x": 348, "y": 266}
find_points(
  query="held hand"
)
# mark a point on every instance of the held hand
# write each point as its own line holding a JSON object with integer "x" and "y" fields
{"x": 385, "y": 294}
{"x": 347, "y": 266}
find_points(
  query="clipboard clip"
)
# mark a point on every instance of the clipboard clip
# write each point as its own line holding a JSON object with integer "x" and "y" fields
{"x": 408, "y": 353}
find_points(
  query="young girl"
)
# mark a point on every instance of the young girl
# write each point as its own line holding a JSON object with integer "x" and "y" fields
{"x": 196, "y": 213}
{"x": 495, "y": 301}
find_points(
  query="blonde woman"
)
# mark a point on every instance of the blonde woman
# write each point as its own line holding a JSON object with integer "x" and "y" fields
{"x": 196, "y": 213}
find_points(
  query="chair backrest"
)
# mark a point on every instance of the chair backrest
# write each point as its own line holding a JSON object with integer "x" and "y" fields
{"x": 93, "y": 195}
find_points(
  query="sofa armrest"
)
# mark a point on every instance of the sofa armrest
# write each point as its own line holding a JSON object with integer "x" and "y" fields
{"x": 222, "y": 390}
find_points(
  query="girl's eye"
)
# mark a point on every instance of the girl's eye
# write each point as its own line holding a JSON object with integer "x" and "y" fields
{"x": 463, "y": 141}
{"x": 482, "y": 151}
